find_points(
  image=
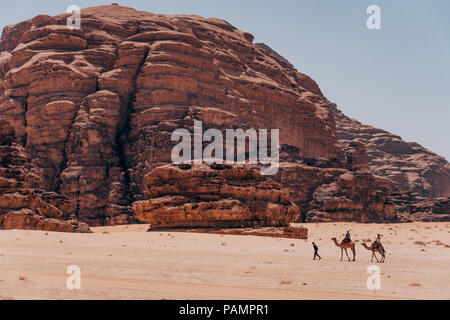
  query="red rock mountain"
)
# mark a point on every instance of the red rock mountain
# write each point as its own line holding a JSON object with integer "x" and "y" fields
{"x": 410, "y": 166}
{"x": 95, "y": 108}
{"x": 23, "y": 202}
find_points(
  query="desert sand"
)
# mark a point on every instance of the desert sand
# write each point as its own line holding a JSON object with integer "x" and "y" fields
{"x": 125, "y": 262}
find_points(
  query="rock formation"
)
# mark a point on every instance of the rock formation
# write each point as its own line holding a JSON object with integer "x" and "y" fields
{"x": 336, "y": 194}
{"x": 95, "y": 109}
{"x": 291, "y": 232}
{"x": 420, "y": 178}
{"x": 411, "y": 167}
{"x": 217, "y": 196}
{"x": 23, "y": 204}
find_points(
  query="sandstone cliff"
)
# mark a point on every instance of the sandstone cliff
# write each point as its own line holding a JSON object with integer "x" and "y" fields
{"x": 95, "y": 108}
{"x": 23, "y": 203}
{"x": 410, "y": 166}
{"x": 219, "y": 196}
{"x": 421, "y": 178}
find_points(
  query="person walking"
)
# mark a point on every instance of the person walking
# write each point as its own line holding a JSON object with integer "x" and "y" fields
{"x": 316, "y": 249}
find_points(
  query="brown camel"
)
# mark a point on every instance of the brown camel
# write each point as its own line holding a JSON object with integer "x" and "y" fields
{"x": 344, "y": 246}
{"x": 374, "y": 249}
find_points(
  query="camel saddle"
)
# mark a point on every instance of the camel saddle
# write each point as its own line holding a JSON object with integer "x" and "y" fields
{"x": 376, "y": 245}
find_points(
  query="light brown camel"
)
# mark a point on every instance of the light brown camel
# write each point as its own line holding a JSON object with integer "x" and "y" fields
{"x": 378, "y": 249}
{"x": 344, "y": 246}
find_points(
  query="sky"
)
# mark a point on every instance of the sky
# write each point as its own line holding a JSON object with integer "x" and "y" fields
{"x": 396, "y": 78}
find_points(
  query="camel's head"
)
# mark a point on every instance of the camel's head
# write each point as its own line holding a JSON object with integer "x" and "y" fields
{"x": 334, "y": 239}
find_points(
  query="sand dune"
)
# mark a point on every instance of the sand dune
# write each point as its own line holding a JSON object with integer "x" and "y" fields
{"x": 125, "y": 262}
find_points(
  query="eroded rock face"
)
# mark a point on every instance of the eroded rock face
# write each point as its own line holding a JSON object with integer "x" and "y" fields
{"x": 420, "y": 178}
{"x": 359, "y": 197}
{"x": 23, "y": 204}
{"x": 96, "y": 106}
{"x": 412, "y": 208}
{"x": 95, "y": 109}
{"x": 217, "y": 196}
{"x": 337, "y": 194}
{"x": 411, "y": 167}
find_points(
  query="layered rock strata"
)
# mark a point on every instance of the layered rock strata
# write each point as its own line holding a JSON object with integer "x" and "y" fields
{"x": 217, "y": 196}
{"x": 95, "y": 109}
{"x": 23, "y": 203}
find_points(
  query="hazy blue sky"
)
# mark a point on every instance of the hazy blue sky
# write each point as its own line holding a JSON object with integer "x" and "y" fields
{"x": 396, "y": 78}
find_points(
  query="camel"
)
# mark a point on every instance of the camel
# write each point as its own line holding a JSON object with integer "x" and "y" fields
{"x": 344, "y": 246}
{"x": 378, "y": 249}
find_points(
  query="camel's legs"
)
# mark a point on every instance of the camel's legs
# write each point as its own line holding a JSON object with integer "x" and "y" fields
{"x": 373, "y": 253}
{"x": 347, "y": 254}
{"x": 342, "y": 253}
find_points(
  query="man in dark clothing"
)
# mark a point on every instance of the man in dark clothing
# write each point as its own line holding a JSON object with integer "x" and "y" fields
{"x": 347, "y": 236}
{"x": 316, "y": 249}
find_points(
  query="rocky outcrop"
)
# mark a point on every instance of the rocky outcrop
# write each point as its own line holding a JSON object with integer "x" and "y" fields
{"x": 359, "y": 197}
{"x": 291, "y": 232}
{"x": 23, "y": 204}
{"x": 412, "y": 208}
{"x": 411, "y": 167}
{"x": 420, "y": 188}
{"x": 95, "y": 109}
{"x": 95, "y": 106}
{"x": 213, "y": 196}
{"x": 26, "y": 219}
{"x": 338, "y": 194}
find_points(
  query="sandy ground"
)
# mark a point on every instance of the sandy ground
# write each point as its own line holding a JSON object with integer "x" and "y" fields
{"x": 125, "y": 262}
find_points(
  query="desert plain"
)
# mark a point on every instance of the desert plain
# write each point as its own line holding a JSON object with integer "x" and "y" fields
{"x": 126, "y": 262}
